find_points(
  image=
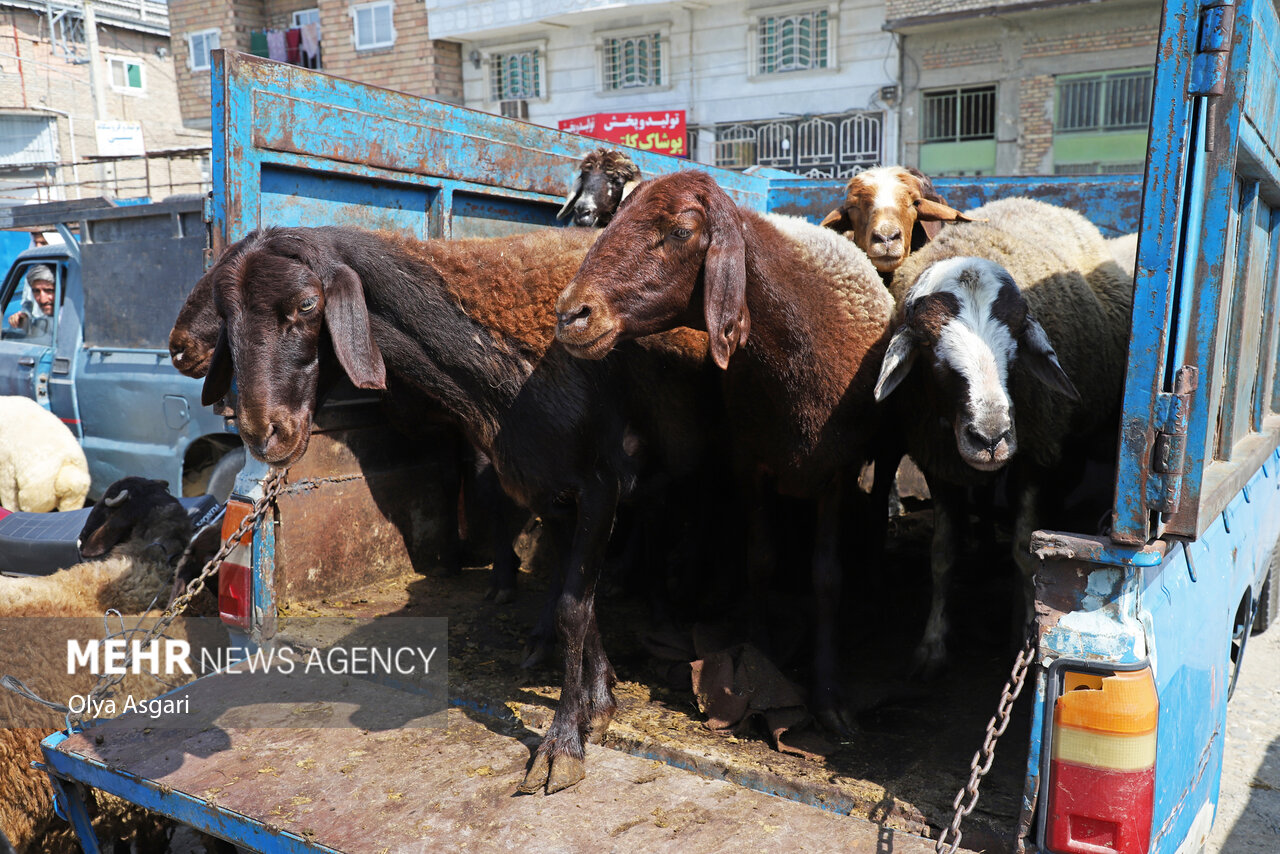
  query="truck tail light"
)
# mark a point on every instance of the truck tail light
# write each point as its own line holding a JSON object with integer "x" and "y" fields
{"x": 1101, "y": 785}
{"x": 235, "y": 577}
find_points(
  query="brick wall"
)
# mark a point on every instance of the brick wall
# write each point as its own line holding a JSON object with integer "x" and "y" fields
{"x": 1092, "y": 42}
{"x": 1035, "y": 119}
{"x": 952, "y": 56}
{"x": 45, "y": 77}
{"x": 234, "y": 20}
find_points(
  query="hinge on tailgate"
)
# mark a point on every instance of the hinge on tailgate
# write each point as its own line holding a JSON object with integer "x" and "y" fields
{"x": 1164, "y": 486}
{"x": 1213, "y": 58}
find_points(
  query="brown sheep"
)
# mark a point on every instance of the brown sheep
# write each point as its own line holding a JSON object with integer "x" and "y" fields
{"x": 808, "y": 320}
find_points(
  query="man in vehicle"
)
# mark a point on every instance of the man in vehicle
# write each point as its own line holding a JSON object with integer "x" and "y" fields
{"x": 36, "y": 320}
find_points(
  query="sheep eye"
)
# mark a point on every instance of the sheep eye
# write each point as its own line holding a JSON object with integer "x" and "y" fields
{"x": 681, "y": 233}
{"x": 309, "y": 304}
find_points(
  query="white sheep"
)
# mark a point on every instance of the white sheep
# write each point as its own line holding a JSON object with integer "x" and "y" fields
{"x": 1125, "y": 250}
{"x": 1025, "y": 313}
{"x": 42, "y": 466}
{"x": 135, "y": 533}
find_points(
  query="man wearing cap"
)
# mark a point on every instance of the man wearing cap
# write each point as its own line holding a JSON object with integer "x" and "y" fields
{"x": 37, "y": 319}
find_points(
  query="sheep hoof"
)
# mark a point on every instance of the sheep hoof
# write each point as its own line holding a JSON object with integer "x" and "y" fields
{"x": 835, "y": 717}
{"x": 501, "y": 595}
{"x": 930, "y": 661}
{"x": 552, "y": 772}
{"x": 535, "y": 653}
{"x": 599, "y": 726}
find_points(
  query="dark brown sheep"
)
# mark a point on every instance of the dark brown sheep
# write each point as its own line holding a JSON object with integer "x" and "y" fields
{"x": 604, "y": 179}
{"x": 471, "y": 324}
{"x": 808, "y": 319}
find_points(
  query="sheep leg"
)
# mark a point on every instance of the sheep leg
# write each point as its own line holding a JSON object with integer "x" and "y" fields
{"x": 1025, "y": 524}
{"x": 600, "y": 682}
{"x": 558, "y": 763}
{"x": 828, "y": 707}
{"x": 761, "y": 559}
{"x": 541, "y": 642}
{"x": 508, "y": 519}
{"x": 948, "y": 517}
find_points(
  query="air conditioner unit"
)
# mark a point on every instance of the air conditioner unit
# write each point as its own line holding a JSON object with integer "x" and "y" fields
{"x": 514, "y": 109}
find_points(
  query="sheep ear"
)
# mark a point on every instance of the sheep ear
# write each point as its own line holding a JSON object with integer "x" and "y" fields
{"x": 1036, "y": 352}
{"x": 837, "y": 221}
{"x": 897, "y": 363}
{"x": 217, "y": 382}
{"x": 929, "y": 210}
{"x": 725, "y": 279}
{"x": 569, "y": 200}
{"x": 347, "y": 317}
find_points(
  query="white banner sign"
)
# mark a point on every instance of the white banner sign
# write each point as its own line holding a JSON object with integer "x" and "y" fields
{"x": 120, "y": 139}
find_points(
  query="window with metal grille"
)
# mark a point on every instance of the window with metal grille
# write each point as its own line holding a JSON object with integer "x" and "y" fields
{"x": 200, "y": 44}
{"x": 960, "y": 115}
{"x": 374, "y": 25}
{"x": 126, "y": 75}
{"x": 792, "y": 42}
{"x": 633, "y": 61}
{"x": 515, "y": 76}
{"x": 1115, "y": 100}
{"x": 828, "y": 146}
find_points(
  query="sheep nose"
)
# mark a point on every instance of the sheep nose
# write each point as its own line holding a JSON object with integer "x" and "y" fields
{"x": 886, "y": 235}
{"x": 574, "y": 317}
{"x": 984, "y": 441}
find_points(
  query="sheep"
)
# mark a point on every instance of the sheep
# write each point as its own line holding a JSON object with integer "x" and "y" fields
{"x": 1124, "y": 249}
{"x": 885, "y": 203}
{"x": 808, "y": 318}
{"x": 42, "y": 466}
{"x": 129, "y": 540}
{"x": 471, "y": 324}
{"x": 1027, "y": 314}
{"x": 605, "y": 177}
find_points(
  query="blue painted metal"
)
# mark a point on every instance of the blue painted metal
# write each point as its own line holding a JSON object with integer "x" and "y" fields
{"x": 187, "y": 809}
{"x": 71, "y": 806}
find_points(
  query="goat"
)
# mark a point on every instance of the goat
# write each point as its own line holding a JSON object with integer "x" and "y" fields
{"x": 605, "y": 177}
{"x": 470, "y": 323}
{"x": 890, "y": 212}
{"x": 42, "y": 466}
{"x": 129, "y": 540}
{"x": 1027, "y": 314}
{"x": 810, "y": 318}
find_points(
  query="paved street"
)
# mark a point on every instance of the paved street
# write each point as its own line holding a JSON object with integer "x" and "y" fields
{"x": 1249, "y": 807}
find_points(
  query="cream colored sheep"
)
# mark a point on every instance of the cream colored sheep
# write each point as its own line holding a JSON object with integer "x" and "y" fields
{"x": 42, "y": 466}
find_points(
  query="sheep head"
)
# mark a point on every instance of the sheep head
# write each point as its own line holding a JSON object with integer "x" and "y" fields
{"x": 970, "y": 319}
{"x": 124, "y": 505}
{"x": 604, "y": 179}
{"x": 286, "y": 302}
{"x": 677, "y": 233}
{"x": 889, "y": 211}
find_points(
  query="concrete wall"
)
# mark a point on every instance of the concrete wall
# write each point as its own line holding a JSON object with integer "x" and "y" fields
{"x": 43, "y": 77}
{"x": 1022, "y": 53}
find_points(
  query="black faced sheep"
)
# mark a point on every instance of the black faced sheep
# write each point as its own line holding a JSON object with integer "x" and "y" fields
{"x": 130, "y": 541}
{"x": 42, "y": 466}
{"x": 805, "y": 319}
{"x": 471, "y": 324}
{"x": 605, "y": 177}
{"x": 1027, "y": 314}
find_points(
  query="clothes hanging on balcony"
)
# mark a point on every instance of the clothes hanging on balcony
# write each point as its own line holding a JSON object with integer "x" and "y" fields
{"x": 293, "y": 42}
{"x": 275, "y": 45}
{"x": 311, "y": 45}
{"x": 258, "y": 43}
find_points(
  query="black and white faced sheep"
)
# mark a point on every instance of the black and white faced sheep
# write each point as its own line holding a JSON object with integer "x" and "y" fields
{"x": 1009, "y": 352}
{"x": 604, "y": 179}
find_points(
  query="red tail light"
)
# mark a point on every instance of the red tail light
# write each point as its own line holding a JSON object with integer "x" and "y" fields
{"x": 235, "y": 577}
{"x": 1101, "y": 786}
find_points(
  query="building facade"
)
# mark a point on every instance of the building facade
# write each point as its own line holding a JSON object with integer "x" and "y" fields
{"x": 385, "y": 43}
{"x": 62, "y": 137}
{"x": 808, "y": 86}
{"x": 1018, "y": 88}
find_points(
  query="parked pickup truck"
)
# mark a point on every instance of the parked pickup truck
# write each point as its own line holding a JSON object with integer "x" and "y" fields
{"x": 1116, "y": 745}
{"x": 101, "y": 363}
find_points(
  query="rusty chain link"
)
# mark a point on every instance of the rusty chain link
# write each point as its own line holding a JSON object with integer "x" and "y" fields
{"x": 981, "y": 762}
{"x": 271, "y": 489}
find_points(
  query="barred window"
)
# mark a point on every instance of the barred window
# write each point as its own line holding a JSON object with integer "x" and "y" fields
{"x": 829, "y": 146}
{"x": 792, "y": 42}
{"x": 515, "y": 76}
{"x": 632, "y": 62}
{"x": 1115, "y": 100}
{"x": 960, "y": 115}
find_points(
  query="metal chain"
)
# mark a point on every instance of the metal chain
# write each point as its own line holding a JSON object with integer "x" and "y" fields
{"x": 272, "y": 487}
{"x": 981, "y": 762}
